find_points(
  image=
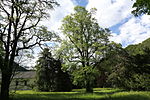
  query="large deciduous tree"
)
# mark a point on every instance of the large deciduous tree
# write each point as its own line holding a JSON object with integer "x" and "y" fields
{"x": 20, "y": 30}
{"x": 85, "y": 45}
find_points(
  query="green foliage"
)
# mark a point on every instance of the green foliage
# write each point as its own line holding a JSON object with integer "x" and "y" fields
{"x": 140, "y": 79}
{"x": 128, "y": 68}
{"x": 80, "y": 75}
{"x": 141, "y": 7}
{"x": 139, "y": 82}
{"x": 117, "y": 64}
{"x": 138, "y": 48}
{"x": 85, "y": 45}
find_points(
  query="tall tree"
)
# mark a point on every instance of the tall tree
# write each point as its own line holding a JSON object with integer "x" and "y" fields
{"x": 45, "y": 77}
{"x": 85, "y": 45}
{"x": 20, "y": 30}
{"x": 141, "y": 7}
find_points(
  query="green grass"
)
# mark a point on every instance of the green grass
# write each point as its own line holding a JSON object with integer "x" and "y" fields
{"x": 79, "y": 94}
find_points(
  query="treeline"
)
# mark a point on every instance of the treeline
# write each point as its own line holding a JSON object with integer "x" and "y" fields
{"x": 126, "y": 68}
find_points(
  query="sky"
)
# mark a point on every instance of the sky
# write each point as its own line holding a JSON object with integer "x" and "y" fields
{"x": 113, "y": 14}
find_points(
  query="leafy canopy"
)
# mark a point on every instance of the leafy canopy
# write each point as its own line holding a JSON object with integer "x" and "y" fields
{"x": 141, "y": 7}
{"x": 85, "y": 44}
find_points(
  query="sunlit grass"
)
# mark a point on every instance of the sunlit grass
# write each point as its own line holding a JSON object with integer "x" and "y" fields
{"x": 79, "y": 94}
{"x": 132, "y": 95}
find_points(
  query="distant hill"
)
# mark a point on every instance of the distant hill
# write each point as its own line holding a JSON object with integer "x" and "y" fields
{"x": 138, "y": 48}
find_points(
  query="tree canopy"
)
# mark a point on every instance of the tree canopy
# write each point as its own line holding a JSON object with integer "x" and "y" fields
{"x": 85, "y": 45}
{"x": 141, "y": 7}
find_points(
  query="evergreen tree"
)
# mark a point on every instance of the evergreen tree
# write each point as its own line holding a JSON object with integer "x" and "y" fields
{"x": 50, "y": 77}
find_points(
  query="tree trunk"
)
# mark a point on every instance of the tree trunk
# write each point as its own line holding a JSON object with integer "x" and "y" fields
{"x": 5, "y": 86}
{"x": 89, "y": 88}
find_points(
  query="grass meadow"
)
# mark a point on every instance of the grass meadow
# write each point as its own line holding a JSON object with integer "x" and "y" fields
{"x": 79, "y": 94}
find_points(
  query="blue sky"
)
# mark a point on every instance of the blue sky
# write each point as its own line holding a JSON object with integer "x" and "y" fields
{"x": 114, "y": 28}
{"x": 113, "y": 14}
{"x": 81, "y": 2}
{"x": 143, "y": 32}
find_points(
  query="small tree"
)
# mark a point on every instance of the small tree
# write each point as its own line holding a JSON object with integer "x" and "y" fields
{"x": 85, "y": 45}
{"x": 20, "y": 30}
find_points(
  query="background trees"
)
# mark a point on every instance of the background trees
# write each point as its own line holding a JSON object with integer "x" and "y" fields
{"x": 20, "y": 30}
{"x": 85, "y": 45}
{"x": 140, "y": 54}
{"x": 128, "y": 67}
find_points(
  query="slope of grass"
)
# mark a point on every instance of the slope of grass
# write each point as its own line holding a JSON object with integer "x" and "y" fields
{"x": 79, "y": 94}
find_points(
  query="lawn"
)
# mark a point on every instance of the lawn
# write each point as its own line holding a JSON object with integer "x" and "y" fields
{"x": 79, "y": 94}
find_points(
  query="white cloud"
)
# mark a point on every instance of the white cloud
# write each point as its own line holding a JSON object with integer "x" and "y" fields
{"x": 111, "y": 12}
{"x": 134, "y": 31}
{"x": 56, "y": 16}
{"x": 54, "y": 22}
